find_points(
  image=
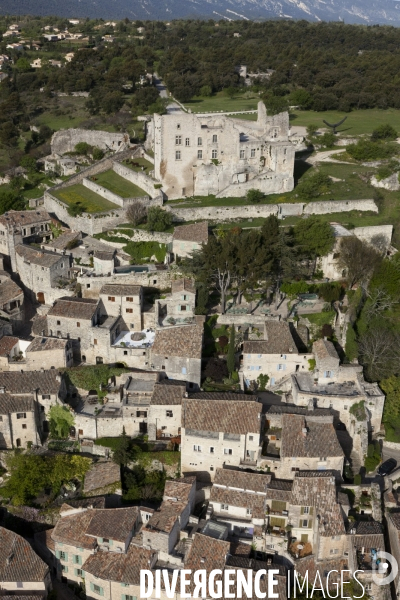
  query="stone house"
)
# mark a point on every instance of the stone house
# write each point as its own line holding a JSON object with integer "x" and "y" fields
{"x": 23, "y": 227}
{"x": 74, "y": 318}
{"x": 54, "y": 163}
{"x": 165, "y": 409}
{"x": 309, "y": 442}
{"x": 19, "y": 421}
{"x": 187, "y": 239}
{"x": 47, "y": 388}
{"x": 177, "y": 351}
{"x": 62, "y": 244}
{"x": 182, "y": 301}
{"x": 364, "y": 540}
{"x": 104, "y": 262}
{"x": 221, "y": 155}
{"x": 238, "y": 499}
{"x": 49, "y": 353}
{"x": 393, "y": 525}
{"x": 161, "y": 532}
{"x": 326, "y": 361}
{"x": 279, "y": 354}
{"x": 23, "y": 572}
{"x": 43, "y": 274}
{"x": 9, "y": 351}
{"x": 11, "y": 300}
{"x": 123, "y": 300}
{"x": 218, "y": 433}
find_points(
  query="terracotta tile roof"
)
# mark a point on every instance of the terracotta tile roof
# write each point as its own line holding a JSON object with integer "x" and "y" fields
{"x": 229, "y": 416}
{"x": 280, "y": 338}
{"x": 94, "y": 502}
{"x": 39, "y": 257}
{"x": 71, "y": 530}
{"x": 163, "y": 519}
{"x": 207, "y": 553}
{"x": 39, "y": 325}
{"x": 325, "y": 349}
{"x": 221, "y": 396}
{"x": 168, "y": 392}
{"x": 179, "y": 489}
{"x": 320, "y": 492}
{"x": 101, "y": 475}
{"x": 320, "y": 439}
{"x": 183, "y": 285}
{"x": 365, "y": 528}
{"x": 240, "y": 480}
{"x": 46, "y": 382}
{"x": 116, "y": 523}
{"x": 195, "y": 232}
{"x": 291, "y": 409}
{"x": 279, "y": 489}
{"x": 185, "y": 341}
{"x": 115, "y": 289}
{"x": 74, "y": 308}
{"x": 242, "y": 499}
{"x": 7, "y": 343}
{"x": 18, "y": 561}
{"x": 240, "y": 549}
{"x": 309, "y": 565}
{"x": 104, "y": 254}
{"x": 123, "y": 568}
{"x": 24, "y": 217}
{"x": 15, "y": 404}
{"x": 9, "y": 290}
{"x": 41, "y": 344}
{"x": 395, "y": 518}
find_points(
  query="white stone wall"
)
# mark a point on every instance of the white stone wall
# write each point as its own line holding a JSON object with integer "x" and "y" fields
{"x": 276, "y": 366}
{"x": 91, "y": 286}
{"x": 183, "y": 248}
{"x": 334, "y": 206}
{"x": 103, "y": 192}
{"x": 169, "y": 426}
{"x": 65, "y": 140}
{"x": 178, "y": 367}
{"x": 75, "y": 558}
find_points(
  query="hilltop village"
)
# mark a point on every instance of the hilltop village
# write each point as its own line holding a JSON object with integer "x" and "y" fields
{"x": 199, "y": 347}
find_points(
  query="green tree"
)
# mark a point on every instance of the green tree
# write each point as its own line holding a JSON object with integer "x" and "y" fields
{"x": 358, "y": 260}
{"x": 29, "y": 163}
{"x": 10, "y": 199}
{"x": 276, "y": 105}
{"x": 82, "y": 148}
{"x": 314, "y": 186}
{"x": 254, "y": 196}
{"x": 23, "y": 65}
{"x": 384, "y": 132}
{"x": 230, "y": 359}
{"x": 311, "y": 130}
{"x": 206, "y": 90}
{"x": 230, "y": 92}
{"x": 61, "y": 420}
{"x": 97, "y": 153}
{"x": 314, "y": 237}
{"x": 158, "y": 219}
{"x": 301, "y": 98}
{"x": 123, "y": 454}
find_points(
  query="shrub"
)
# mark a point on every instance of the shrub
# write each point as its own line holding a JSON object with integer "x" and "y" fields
{"x": 136, "y": 213}
{"x": 366, "y": 150}
{"x": 357, "y": 479}
{"x": 97, "y": 153}
{"x": 384, "y": 132}
{"x": 311, "y": 364}
{"x": 83, "y": 148}
{"x": 314, "y": 186}
{"x": 140, "y": 251}
{"x": 158, "y": 219}
{"x": 262, "y": 381}
{"x": 254, "y": 196}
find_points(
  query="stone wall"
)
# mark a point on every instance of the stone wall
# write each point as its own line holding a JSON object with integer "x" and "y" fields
{"x": 103, "y": 192}
{"x": 65, "y": 140}
{"x": 336, "y": 206}
{"x": 138, "y": 178}
{"x": 91, "y": 286}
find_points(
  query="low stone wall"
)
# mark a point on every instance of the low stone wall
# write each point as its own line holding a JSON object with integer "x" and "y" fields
{"x": 137, "y": 178}
{"x": 160, "y": 279}
{"x": 103, "y": 192}
{"x": 221, "y": 213}
{"x": 151, "y": 236}
{"x": 336, "y": 206}
{"x": 255, "y": 320}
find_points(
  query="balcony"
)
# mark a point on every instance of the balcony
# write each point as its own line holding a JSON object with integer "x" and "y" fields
{"x": 276, "y": 531}
{"x": 247, "y": 462}
{"x": 279, "y": 513}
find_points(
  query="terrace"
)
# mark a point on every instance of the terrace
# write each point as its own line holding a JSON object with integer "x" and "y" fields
{"x": 307, "y": 385}
{"x": 142, "y": 339}
{"x": 80, "y": 196}
{"x": 118, "y": 185}
{"x": 138, "y": 164}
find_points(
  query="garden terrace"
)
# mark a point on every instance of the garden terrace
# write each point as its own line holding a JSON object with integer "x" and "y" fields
{"x": 307, "y": 385}
{"x": 136, "y": 164}
{"x": 118, "y": 185}
{"x": 79, "y": 195}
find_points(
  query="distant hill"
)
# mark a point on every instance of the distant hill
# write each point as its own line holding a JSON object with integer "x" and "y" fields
{"x": 356, "y": 11}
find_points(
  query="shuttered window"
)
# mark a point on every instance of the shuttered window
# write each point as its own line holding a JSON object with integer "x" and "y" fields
{"x": 278, "y": 505}
{"x": 77, "y": 559}
{"x": 277, "y": 522}
{"x": 96, "y": 589}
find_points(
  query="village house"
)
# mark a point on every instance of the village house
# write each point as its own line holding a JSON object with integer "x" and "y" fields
{"x": 11, "y": 300}
{"x": 365, "y": 539}
{"x": 104, "y": 262}
{"x": 218, "y": 433}
{"x": 177, "y": 351}
{"x": 393, "y": 525}
{"x": 13, "y": 353}
{"x": 123, "y": 300}
{"x": 186, "y": 239}
{"x": 217, "y": 154}
{"x": 23, "y": 227}
{"x": 165, "y": 409}
{"x": 338, "y": 387}
{"x": 19, "y": 421}
{"x": 55, "y": 163}
{"x": 23, "y": 572}
{"x": 238, "y": 499}
{"x": 44, "y": 275}
{"x": 48, "y": 353}
{"x": 279, "y": 354}
{"x": 64, "y": 243}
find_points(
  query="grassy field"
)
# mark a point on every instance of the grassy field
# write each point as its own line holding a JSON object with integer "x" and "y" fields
{"x": 357, "y": 122}
{"x": 118, "y": 185}
{"x": 221, "y": 102}
{"x": 79, "y": 194}
{"x": 70, "y": 112}
{"x": 142, "y": 162}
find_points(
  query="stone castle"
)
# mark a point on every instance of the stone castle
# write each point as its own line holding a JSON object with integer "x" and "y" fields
{"x": 222, "y": 156}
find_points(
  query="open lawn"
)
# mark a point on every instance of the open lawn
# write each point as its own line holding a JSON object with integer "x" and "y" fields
{"x": 79, "y": 194}
{"x": 69, "y": 112}
{"x": 142, "y": 162}
{"x": 221, "y": 102}
{"x": 118, "y": 185}
{"x": 357, "y": 122}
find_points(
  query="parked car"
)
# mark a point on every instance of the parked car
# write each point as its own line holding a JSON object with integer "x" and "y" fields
{"x": 387, "y": 467}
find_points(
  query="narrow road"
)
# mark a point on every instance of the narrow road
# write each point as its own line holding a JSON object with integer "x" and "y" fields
{"x": 325, "y": 156}
{"x": 172, "y": 108}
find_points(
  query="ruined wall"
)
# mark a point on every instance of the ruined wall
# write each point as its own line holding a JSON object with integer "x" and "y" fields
{"x": 335, "y": 206}
{"x": 221, "y": 213}
{"x": 65, "y": 140}
{"x": 91, "y": 286}
{"x": 137, "y": 178}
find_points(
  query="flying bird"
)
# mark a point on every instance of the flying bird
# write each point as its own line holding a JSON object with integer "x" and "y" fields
{"x": 336, "y": 124}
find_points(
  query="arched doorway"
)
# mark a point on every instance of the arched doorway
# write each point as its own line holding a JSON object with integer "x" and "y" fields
{"x": 40, "y": 297}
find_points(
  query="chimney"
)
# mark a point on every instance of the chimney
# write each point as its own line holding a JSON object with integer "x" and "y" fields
{"x": 2, "y": 390}
{"x": 304, "y": 431}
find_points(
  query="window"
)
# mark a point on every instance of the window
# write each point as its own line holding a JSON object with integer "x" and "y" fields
{"x": 58, "y": 322}
{"x": 24, "y": 426}
{"x": 328, "y": 374}
{"x": 200, "y": 154}
{"x": 78, "y": 324}
{"x": 129, "y": 310}
{"x": 249, "y": 511}
{"x": 129, "y": 299}
{"x": 63, "y": 555}
{"x": 215, "y": 139}
{"x": 253, "y": 153}
{"x": 280, "y": 367}
{"x": 46, "y": 396}
{"x": 199, "y": 141}
{"x": 169, "y": 413}
{"x": 214, "y": 154}
{"x": 177, "y": 155}
{"x": 306, "y": 510}
{"x": 283, "y": 356}
{"x": 224, "y": 506}
{"x": 304, "y": 523}
{"x": 64, "y": 568}
{"x": 228, "y": 451}
{"x": 125, "y": 352}
{"x": 242, "y": 154}
{"x": 111, "y": 298}
{"x": 212, "y": 449}
{"x": 97, "y": 589}
{"x": 196, "y": 448}
{"x": 77, "y": 559}
{"x": 322, "y": 458}
{"x": 334, "y": 551}
{"x": 95, "y": 342}
{"x": 251, "y": 438}
{"x": 78, "y": 572}
{"x": 187, "y": 141}
{"x": 183, "y": 370}
{"x": 21, "y": 415}
{"x": 126, "y": 597}
{"x": 178, "y": 140}
{"x": 178, "y": 126}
